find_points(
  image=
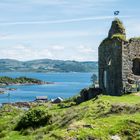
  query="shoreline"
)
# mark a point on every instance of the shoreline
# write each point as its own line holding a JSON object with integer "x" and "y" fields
{"x": 4, "y": 88}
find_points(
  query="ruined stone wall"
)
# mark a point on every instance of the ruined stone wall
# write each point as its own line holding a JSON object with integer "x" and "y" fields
{"x": 110, "y": 64}
{"x": 119, "y": 62}
{"x": 130, "y": 52}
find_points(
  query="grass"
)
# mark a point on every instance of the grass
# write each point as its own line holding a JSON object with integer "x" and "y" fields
{"x": 93, "y": 119}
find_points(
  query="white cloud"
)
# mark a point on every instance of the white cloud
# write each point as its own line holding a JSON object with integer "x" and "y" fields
{"x": 57, "y": 48}
{"x": 85, "y": 49}
{"x": 50, "y": 2}
{"x": 4, "y": 36}
{"x": 132, "y": 27}
{"x": 24, "y": 52}
{"x": 51, "y": 34}
{"x": 59, "y": 21}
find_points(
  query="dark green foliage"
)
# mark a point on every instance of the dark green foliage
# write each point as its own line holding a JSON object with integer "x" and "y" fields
{"x": 22, "y": 80}
{"x": 71, "y": 99}
{"x": 67, "y": 104}
{"x": 94, "y": 78}
{"x": 28, "y": 80}
{"x": 34, "y": 118}
{"x": 6, "y": 80}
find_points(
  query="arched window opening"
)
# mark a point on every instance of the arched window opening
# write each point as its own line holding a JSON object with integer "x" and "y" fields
{"x": 136, "y": 66}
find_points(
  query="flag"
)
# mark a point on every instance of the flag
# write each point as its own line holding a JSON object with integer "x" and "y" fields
{"x": 116, "y": 13}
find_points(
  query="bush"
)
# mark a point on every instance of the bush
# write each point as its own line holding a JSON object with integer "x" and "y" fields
{"x": 34, "y": 118}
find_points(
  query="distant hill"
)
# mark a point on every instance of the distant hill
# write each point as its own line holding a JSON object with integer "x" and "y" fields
{"x": 47, "y": 65}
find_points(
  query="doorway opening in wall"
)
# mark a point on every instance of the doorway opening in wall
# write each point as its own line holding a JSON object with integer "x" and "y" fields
{"x": 105, "y": 79}
{"x": 136, "y": 66}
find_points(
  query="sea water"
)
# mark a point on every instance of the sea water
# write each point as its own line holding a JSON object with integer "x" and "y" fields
{"x": 65, "y": 85}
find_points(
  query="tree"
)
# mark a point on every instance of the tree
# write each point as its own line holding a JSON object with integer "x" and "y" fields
{"x": 94, "y": 78}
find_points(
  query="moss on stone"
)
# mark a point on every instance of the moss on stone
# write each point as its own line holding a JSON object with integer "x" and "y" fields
{"x": 117, "y": 31}
{"x": 107, "y": 41}
{"x": 119, "y": 36}
{"x": 117, "y": 28}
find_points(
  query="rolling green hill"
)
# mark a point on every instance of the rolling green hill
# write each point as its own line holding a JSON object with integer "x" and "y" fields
{"x": 47, "y": 65}
{"x": 102, "y": 119}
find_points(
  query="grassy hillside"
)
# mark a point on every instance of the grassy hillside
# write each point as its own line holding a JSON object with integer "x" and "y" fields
{"x": 98, "y": 119}
{"x": 47, "y": 65}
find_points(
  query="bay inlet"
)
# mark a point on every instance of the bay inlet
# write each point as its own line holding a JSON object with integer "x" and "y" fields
{"x": 65, "y": 85}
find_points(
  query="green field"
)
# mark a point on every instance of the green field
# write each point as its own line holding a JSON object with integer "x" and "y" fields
{"x": 98, "y": 119}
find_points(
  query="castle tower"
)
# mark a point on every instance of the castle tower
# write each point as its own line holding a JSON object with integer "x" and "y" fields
{"x": 119, "y": 62}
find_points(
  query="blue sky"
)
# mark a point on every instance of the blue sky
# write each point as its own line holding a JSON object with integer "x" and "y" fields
{"x": 61, "y": 29}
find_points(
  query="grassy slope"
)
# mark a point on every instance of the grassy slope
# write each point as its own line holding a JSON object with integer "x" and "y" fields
{"x": 98, "y": 119}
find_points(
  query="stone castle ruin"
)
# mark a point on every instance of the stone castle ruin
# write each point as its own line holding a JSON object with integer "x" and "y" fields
{"x": 119, "y": 62}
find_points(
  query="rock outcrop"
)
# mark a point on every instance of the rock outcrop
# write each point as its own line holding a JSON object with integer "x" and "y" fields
{"x": 88, "y": 93}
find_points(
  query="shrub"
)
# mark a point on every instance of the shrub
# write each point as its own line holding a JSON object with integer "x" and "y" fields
{"x": 34, "y": 118}
{"x": 2, "y": 134}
